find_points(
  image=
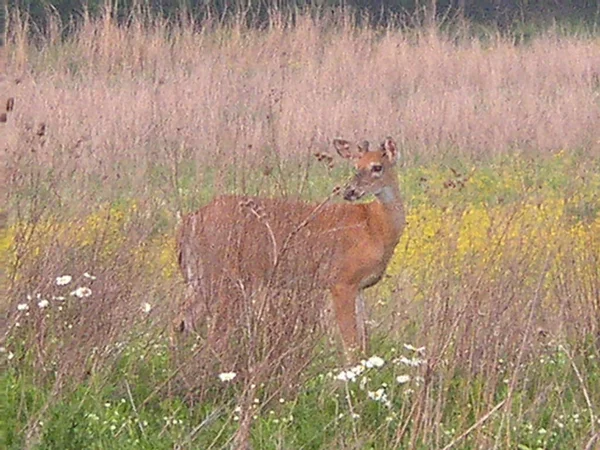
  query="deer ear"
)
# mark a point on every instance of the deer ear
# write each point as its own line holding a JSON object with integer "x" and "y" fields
{"x": 390, "y": 150}
{"x": 343, "y": 148}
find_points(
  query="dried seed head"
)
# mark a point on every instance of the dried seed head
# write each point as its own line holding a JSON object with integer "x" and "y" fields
{"x": 10, "y": 104}
{"x": 324, "y": 157}
{"x": 41, "y": 131}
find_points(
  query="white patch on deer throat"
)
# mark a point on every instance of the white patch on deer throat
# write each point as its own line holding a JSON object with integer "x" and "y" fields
{"x": 386, "y": 195}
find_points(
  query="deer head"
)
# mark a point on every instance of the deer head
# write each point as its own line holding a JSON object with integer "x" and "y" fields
{"x": 374, "y": 168}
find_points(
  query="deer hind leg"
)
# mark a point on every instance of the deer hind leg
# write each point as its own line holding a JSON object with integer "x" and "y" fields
{"x": 193, "y": 305}
{"x": 187, "y": 311}
{"x": 344, "y": 306}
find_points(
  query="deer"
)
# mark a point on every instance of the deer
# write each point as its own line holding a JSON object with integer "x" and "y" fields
{"x": 344, "y": 247}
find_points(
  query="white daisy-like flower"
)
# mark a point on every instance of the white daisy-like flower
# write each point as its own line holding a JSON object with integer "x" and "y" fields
{"x": 146, "y": 307}
{"x": 64, "y": 280}
{"x": 227, "y": 376}
{"x": 413, "y": 362}
{"x": 357, "y": 370}
{"x": 363, "y": 383}
{"x": 82, "y": 292}
{"x": 401, "y": 379}
{"x": 374, "y": 361}
{"x": 23, "y": 307}
{"x": 346, "y": 375}
{"x": 378, "y": 395}
{"x": 43, "y": 303}
{"x": 419, "y": 350}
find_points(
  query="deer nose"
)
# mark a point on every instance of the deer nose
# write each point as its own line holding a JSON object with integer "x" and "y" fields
{"x": 352, "y": 194}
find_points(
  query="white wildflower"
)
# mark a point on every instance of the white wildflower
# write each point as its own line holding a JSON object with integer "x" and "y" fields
{"x": 357, "y": 370}
{"x": 43, "y": 303}
{"x": 227, "y": 376}
{"x": 10, "y": 356}
{"x": 355, "y": 416}
{"x": 378, "y": 395}
{"x": 23, "y": 307}
{"x": 346, "y": 375}
{"x": 87, "y": 275}
{"x": 146, "y": 307}
{"x": 419, "y": 350}
{"x": 82, "y": 292}
{"x": 401, "y": 379}
{"x": 65, "y": 279}
{"x": 374, "y": 361}
{"x": 363, "y": 383}
{"x": 412, "y": 362}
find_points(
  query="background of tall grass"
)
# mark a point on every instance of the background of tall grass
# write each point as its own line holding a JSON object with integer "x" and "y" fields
{"x": 118, "y": 129}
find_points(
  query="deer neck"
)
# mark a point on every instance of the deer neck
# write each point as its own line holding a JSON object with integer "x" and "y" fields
{"x": 390, "y": 212}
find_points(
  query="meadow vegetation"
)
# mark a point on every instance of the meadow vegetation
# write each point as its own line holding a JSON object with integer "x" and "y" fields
{"x": 485, "y": 329}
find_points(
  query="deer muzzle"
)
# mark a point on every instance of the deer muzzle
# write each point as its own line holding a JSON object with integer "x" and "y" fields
{"x": 352, "y": 194}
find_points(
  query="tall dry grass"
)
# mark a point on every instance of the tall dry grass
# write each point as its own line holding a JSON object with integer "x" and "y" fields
{"x": 116, "y": 129}
{"x": 135, "y": 92}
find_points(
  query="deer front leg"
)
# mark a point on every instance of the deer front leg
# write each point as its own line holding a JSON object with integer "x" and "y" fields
{"x": 344, "y": 306}
{"x": 361, "y": 323}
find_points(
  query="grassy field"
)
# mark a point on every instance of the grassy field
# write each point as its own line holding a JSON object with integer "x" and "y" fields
{"x": 485, "y": 329}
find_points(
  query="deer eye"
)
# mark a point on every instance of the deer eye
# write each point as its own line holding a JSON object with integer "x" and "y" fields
{"x": 377, "y": 168}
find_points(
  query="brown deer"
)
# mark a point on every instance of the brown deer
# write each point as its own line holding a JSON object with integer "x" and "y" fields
{"x": 242, "y": 243}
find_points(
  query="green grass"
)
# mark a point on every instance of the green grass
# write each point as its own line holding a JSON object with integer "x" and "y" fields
{"x": 100, "y": 413}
